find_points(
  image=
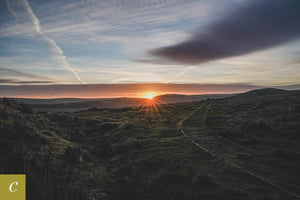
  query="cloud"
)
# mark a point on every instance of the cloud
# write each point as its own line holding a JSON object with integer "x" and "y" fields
{"x": 16, "y": 81}
{"x": 11, "y": 72}
{"x": 254, "y": 26}
{"x": 6, "y": 80}
{"x": 115, "y": 20}
{"x": 33, "y": 79}
{"x": 21, "y": 10}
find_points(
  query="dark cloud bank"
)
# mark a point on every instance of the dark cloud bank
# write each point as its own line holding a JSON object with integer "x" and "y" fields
{"x": 257, "y": 25}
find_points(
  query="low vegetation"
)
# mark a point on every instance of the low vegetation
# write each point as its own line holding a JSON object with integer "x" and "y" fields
{"x": 137, "y": 153}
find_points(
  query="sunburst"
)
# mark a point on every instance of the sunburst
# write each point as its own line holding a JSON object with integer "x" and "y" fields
{"x": 150, "y": 95}
{"x": 151, "y": 103}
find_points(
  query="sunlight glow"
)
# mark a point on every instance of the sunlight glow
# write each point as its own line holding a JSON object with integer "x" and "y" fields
{"x": 149, "y": 95}
{"x": 151, "y": 104}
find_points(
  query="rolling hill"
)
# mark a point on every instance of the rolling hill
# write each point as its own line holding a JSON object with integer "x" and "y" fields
{"x": 240, "y": 147}
{"x": 77, "y": 104}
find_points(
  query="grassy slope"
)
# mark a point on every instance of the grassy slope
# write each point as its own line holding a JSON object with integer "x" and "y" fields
{"x": 29, "y": 144}
{"x": 129, "y": 153}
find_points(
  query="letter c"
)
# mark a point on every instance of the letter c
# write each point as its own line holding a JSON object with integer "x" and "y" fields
{"x": 10, "y": 187}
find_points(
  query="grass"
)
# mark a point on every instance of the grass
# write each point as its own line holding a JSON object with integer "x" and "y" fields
{"x": 129, "y": 153}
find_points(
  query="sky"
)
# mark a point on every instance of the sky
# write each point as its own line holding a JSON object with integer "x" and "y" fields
{"x": 189, "y": 42}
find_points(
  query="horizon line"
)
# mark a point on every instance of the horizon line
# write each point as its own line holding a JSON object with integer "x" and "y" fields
{"x": 133, "y": 90}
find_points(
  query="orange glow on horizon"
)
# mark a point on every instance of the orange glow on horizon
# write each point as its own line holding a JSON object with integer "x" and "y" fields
{"x": 132, "y": 90}
{"x": 151, "y": 103}
{"x": 150, "y": 95}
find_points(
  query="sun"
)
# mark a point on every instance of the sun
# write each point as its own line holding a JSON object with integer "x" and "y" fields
{"x": 151, "y": 103}
{"x": 149, "y": 95}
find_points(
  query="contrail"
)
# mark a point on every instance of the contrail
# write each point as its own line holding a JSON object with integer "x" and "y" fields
{"x": 57, "y": 52}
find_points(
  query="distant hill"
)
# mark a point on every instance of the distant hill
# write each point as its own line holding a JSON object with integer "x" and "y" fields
{"x": 77, "y": 104}
{"x": 48, "y": 101}
{"x": 266, "y": 93}
{"x": 73, "y": 105}
{"x": 177, "y": 98}
{"x": 263, "y": 92}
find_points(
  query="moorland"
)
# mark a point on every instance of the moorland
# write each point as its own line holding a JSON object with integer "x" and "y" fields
{"x": 243, "y": 146}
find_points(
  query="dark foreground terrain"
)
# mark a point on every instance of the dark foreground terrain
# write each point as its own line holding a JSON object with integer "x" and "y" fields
{"x": 242, "y": 147}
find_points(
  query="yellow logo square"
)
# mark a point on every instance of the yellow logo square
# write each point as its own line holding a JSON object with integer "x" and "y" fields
{"x": 12, "y": 186}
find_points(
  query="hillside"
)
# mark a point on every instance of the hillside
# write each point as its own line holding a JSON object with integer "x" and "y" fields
{"x": 77, "y": 104}
{"x": 242, "y": 147}
{"x": 177, "y": 98}
{"x": 256, "y": 132}
{"x": 74, "y": 104}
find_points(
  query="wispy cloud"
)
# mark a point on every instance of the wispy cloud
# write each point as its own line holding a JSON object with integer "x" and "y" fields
{"x": 101, "y": 39}
{"x": 15, "y": 6}
{"x": 116, "y": 17}
{"x": 11, "y": 72}
{"x": 255, "y": 26}
{"x": 10, "y": 76}
{"x": 16, "y": 81}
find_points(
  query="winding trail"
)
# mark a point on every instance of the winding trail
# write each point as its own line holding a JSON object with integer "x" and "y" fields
{"x": 223, "y": 148}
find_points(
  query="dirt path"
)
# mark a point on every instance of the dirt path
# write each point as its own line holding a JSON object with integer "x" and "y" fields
{"x": 244, "y": 159}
